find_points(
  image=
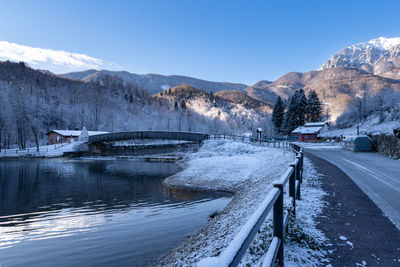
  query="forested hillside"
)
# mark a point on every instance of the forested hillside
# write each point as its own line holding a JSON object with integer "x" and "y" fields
{"x": 153, "y": 83}
{"x": 34, "y": 102}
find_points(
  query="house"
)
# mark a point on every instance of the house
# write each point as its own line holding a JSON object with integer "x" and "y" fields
{"x": 309, "y": 132}
{"x": 65, "y": 136}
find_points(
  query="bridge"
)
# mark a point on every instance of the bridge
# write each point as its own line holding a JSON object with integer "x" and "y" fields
{"x": 163, "y": 135}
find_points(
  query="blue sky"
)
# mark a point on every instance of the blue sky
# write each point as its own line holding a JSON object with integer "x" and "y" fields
{"x": 236, "y": 41}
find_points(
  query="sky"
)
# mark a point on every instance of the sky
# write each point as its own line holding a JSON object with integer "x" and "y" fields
{"x": 232, "y": 41}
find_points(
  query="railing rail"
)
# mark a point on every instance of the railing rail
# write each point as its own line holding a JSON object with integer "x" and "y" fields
{"x": 234, "y": 252}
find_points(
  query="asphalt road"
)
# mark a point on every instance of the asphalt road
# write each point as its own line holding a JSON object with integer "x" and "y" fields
{"x": 358, "y": 233}
{"x": 376, "y": 175}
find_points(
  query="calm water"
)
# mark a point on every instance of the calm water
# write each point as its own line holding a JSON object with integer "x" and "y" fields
{"x": 94, "y": 212}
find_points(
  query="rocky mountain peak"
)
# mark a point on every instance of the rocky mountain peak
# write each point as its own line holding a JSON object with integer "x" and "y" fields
{"x": 379, "y": 56}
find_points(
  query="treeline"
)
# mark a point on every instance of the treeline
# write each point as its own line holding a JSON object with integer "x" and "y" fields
{"x": 298, "y": 110}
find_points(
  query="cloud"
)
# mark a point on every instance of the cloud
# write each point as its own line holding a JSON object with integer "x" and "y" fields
{"x": 57, "y": 61}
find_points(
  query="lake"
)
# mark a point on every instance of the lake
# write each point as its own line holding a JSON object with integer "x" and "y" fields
{"x": 95, "y": 212}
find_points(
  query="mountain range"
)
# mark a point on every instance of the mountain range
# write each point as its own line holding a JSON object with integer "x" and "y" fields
{"x": 366, "y": 73}
{"x": 339, "y": 82}
{"x": 152, "y": 83}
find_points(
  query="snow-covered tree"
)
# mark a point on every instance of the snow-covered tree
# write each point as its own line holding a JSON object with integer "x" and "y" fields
{"x": 290, "y": 116}
{"x": 295, "y": 114}
{"x": 278, "y": 115}
{"x": 301, "y": 107}
{"x": 314, "y": 107}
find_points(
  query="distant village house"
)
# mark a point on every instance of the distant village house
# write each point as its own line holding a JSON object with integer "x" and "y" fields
{"x": 65, "y": 136}
{"x": 309, "y": 132}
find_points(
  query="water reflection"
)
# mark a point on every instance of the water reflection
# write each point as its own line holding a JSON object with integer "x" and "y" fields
{"x": 94, "y": 212}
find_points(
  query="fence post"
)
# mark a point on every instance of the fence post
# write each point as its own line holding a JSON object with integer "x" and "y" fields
{"x": 278, "y": 224}
{"x": 301, "y": 165}
{"x": 292, "y": 187}
{"x": 298, "y": 173}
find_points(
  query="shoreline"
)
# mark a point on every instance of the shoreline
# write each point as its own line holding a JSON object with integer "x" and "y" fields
{"x": 247, "y": 193}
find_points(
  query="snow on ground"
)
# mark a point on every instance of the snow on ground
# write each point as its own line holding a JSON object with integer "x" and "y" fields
{"x": 227, "y": 165}
{"x": 304, "y": 244}
{"x": 55, "y": 150}
{"x": 247, "y": 170}
{"x": 370, "y": 126}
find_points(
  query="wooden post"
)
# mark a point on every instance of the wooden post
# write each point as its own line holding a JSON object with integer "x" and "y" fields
{"x": 298, "y": 176}
{"x": 301, "y": 166}
{"x": 292, "y": 187}
{"x": 278, "y": 224}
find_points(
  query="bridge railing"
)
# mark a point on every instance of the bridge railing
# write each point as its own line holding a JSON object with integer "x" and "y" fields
{"x": 167, "y": 135}
{"x": 291, "y": 181}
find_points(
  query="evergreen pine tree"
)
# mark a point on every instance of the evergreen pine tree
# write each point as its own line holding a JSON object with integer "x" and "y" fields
{"x": 290, "y": 116}
{"x": 296, "y": 111}
{"x": 301, "y": 107}
{"x": 278, "y": 115}
{"x": 314, "y": 107}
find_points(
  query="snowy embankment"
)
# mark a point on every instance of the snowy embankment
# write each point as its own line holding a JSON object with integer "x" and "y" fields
{"x": 56, "y": 150}
{"x": 304, "y": 243}
{"x": 370, "y": 126}
{"x": 247, "y": 170}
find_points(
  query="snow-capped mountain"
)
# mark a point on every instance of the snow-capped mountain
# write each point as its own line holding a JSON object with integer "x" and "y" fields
{"x": 378, "y": 56}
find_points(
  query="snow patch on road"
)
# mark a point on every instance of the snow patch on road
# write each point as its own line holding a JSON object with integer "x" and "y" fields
{"x": 350, "y": 244}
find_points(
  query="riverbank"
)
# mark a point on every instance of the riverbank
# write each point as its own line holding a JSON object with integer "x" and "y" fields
{"x": 49, "y": 151}
{"x": 79, "y": 149}
{"x": 247, "y": 171}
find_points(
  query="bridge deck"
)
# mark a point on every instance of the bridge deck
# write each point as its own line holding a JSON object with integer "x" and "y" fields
{"x": 164, "y": 135}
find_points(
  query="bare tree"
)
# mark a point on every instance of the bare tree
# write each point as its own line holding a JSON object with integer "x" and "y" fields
{"x": 362, "y": 100}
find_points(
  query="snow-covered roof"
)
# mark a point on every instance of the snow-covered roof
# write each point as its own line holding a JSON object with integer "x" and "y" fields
{"x": 307, "y": 130}
{"x": 75, "y": 133}
{"x": 313, "y": 124}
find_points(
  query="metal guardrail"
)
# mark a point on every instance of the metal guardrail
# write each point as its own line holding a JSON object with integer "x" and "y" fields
{"x": 293, "y": 176}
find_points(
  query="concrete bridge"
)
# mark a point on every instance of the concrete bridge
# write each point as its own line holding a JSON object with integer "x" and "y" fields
{"x": 163, "y": 135}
